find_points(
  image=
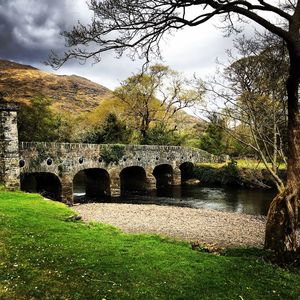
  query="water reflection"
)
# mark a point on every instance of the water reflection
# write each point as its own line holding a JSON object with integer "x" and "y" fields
{"x": 254, "y": 202}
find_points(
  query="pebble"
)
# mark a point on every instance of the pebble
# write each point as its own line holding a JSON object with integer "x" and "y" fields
{"x": 224, "y": 229}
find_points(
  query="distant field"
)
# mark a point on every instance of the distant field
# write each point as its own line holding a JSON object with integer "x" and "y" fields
{"x": 45, "y": 254}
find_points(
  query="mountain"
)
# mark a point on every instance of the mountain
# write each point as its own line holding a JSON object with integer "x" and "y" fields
{"x": 69, "y": 93}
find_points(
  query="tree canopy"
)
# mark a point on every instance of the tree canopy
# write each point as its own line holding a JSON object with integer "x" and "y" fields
{"x": 37, "y": 122}
{"x": 153, "y": 98}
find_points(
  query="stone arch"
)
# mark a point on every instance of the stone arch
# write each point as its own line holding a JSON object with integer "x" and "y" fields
{"x": 133, "y": 180}
{"x": 164, "y": 175}
{"x": 92, "y": 183}
{"x": 186, "y": 169}
{"x": 44, "y": 183}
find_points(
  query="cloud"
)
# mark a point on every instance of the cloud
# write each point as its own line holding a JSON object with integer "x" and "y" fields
{"x": 195, "y": 50}
{"x": 30, "y": 29}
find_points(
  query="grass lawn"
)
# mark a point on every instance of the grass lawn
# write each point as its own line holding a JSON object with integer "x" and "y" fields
{"x": 45, "y": 256}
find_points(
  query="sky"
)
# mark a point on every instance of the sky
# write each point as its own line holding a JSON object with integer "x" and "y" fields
{"x": 30, "y": 29}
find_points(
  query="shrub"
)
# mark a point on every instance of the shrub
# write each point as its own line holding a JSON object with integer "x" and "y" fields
{"x": 227, "y": 175}
{"x": 112, "y": 154}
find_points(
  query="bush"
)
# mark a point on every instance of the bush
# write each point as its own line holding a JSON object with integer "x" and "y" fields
{"x": 227, "y": 175}
{"x": 112, "y": 154}
{"x": 111, "y": 131}
{"x": 160, "y": 135}
{"x": 230, "y": 174}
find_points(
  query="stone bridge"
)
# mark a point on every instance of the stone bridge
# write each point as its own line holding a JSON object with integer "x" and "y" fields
{"x": 61, "y": 169}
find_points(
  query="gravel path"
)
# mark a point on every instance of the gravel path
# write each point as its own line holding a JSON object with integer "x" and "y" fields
{"x": 202, "y": 225}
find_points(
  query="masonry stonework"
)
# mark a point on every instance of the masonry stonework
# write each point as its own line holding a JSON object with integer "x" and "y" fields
{"x": 66, "y": 160}
{"x": 9, "y": 146}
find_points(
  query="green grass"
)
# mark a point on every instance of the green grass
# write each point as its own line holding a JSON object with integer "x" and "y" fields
{"x": 242, "y": 163}
{"x": 254, "y": 164}
{"x": 44, "y": 256}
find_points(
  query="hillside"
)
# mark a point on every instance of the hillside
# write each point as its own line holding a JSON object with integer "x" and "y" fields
{"x": 71, "y": 94}
{"x": 68, "y": 93}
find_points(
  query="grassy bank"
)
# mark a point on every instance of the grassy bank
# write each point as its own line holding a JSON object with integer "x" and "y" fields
{"x": 244, "y": 173}
{"x": 44, "y": 254}
{"x": 243, "y": 164}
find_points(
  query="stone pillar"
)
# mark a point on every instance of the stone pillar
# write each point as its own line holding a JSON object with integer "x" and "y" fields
{"x": 9, "y": 146}
{"x": 67, "y": 190}
{"x": 115, "y": 185}
{"x": 151, "y": 182}
{"x": 176, "y": 176}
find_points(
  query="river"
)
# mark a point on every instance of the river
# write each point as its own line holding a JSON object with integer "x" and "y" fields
{"x": 230, "y": 199}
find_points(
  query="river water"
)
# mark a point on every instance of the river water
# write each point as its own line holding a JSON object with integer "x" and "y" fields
{"x": 230, "y": 199}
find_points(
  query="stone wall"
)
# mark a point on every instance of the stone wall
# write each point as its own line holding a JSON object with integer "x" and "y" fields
{"x": 9, "y": 155}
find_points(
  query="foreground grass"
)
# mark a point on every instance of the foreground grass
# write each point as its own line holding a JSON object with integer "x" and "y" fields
{"x": 44, "y": 256}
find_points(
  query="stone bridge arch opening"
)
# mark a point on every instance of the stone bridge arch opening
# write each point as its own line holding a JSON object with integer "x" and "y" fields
{"x": 163, "y": 175}
{"x": 91, "y": 184}
{"x": 186, "y": 169}
{"x": 44, "y": 183}
{"x": 133, "y": 180}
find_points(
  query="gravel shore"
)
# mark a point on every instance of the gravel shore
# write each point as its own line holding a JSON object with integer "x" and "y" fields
{"x": 201, "y": 225}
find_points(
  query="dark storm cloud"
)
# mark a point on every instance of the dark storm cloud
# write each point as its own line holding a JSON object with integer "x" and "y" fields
{"x": 29, "y": 29}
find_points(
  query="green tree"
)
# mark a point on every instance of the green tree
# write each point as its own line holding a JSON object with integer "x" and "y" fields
{"x": 140, "y": 25}
{"x": 36, "y": 121}
{"x": 160, "y": 135}
{"x": 110, "y": 131}
{"x": 212, "y": 139}
{"x": 156, "y": 96}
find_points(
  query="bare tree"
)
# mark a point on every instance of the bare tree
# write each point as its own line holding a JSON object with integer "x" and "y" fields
{"x": 250, "y": 94}
{"x": 139, "y": 26}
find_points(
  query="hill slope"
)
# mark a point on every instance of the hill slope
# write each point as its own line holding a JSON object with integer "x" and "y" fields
{"x": 72, "y": 94}
{"x": 68, "y": 93}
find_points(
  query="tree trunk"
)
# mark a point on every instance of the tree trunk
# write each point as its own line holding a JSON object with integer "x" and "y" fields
{"x": 282, "y": 217}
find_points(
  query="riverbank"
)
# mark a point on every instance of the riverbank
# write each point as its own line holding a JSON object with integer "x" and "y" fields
{"x": 235, "y": 173}
{"x": 190, "y": 224}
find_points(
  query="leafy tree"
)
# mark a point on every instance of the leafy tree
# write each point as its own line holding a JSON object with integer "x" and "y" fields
{"x": 65, "y": 124}
{"x": 212, "y": 140}
{"x": 36, "y": 121}
{"x": 140, "y": 25}
{"x": 110, "y": 131}
{"x": 140, "y": 94}
{"x": 160, "y": 135}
